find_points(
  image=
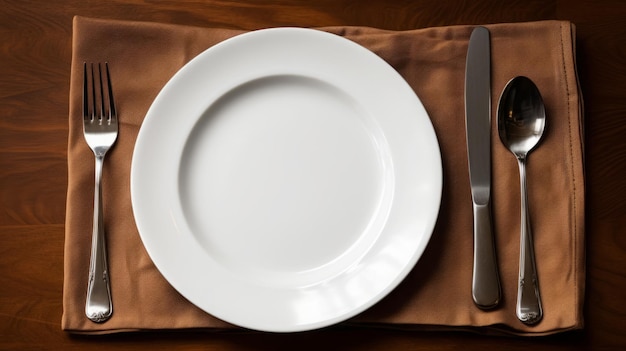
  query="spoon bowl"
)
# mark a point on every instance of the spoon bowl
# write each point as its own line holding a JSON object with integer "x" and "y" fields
{"x": 521, "y": 123}
{"x": 521, "y": 116}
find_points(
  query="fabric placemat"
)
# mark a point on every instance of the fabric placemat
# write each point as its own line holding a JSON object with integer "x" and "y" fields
{"x": 437, "y": 293}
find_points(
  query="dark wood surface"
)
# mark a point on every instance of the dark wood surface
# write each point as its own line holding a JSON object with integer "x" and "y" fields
{"x": 35, "y": 44}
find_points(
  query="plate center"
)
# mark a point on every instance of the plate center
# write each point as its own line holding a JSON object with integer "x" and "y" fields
{"x": 285, "y": 174}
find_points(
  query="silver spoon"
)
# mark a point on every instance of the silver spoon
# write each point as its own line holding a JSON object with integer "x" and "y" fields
{"x": 521, "y": 122}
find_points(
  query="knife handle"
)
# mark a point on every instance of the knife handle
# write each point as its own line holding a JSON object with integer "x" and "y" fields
{"x": 486, "y": 290}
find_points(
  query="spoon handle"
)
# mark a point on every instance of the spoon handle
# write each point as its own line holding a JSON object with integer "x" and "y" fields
{"x": 528, "y": 308}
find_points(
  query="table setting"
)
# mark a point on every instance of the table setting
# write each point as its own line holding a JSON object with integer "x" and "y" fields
{"x": 289, "y": 179}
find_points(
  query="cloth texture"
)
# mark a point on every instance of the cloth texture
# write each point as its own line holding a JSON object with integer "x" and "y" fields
{"x": 437, "y": 293}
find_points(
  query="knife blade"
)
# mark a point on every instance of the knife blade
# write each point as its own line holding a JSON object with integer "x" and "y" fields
{"x": 486, "y": 288}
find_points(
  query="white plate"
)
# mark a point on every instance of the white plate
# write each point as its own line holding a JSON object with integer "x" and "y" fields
{"x": 286, "y": 179}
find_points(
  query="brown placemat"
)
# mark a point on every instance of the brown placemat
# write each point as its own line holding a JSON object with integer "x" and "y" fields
{"x": 437, "y": 293}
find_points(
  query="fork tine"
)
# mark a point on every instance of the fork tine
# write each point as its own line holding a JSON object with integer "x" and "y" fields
{"x": 98, "y": 101}
{"x": 112, "y": 107}
{"x": 102, "y": 115}
{"x": 93, "y": 94}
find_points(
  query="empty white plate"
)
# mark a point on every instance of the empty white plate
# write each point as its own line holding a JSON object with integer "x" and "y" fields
{"x": 286, "y": 179}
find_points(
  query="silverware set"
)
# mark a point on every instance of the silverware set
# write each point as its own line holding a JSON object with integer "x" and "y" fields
{"x": 521, "y": 122}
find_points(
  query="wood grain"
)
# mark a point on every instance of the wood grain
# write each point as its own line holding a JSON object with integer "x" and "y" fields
{"x": 601, "y": 53}
{"x": 35, "y": 51}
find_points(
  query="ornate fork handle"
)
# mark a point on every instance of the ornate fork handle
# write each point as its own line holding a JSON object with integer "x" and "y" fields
{"x": 99, "y": 306}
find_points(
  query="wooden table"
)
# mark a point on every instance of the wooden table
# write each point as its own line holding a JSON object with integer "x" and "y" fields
{"x": 35, "y": 43}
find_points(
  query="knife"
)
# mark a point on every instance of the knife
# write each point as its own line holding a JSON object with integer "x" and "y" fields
{"x": 486, "y": 290}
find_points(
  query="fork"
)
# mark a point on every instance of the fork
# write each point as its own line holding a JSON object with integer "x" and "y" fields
{"x": 100, "y": 129}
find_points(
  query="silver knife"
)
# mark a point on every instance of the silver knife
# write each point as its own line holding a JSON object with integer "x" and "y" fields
{"x": 486, "y": 289}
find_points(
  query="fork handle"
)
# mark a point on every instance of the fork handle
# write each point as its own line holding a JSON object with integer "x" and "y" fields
{"x": 98, "y": 307}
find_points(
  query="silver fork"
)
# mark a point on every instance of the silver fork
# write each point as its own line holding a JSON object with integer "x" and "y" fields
{"x": 100, "y": 129}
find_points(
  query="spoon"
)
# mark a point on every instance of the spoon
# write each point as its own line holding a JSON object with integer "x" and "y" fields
{"x": 521, "y": 122}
